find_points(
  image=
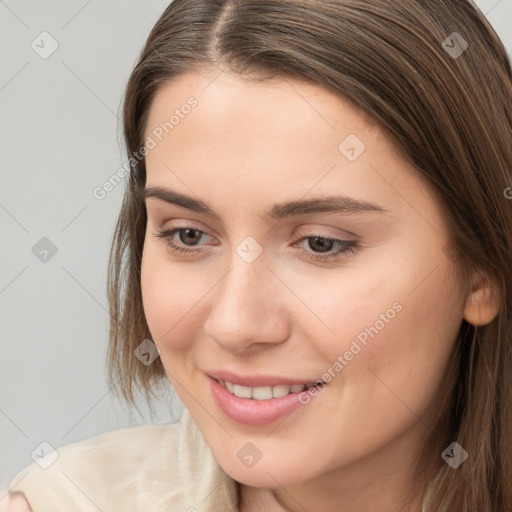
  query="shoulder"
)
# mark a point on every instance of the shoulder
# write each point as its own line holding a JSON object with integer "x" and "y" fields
{"x": 154, "y": 467}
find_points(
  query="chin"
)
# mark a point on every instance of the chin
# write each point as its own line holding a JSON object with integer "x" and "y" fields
{"x": 264, "y": 474}
{"x": 262, "y": 479}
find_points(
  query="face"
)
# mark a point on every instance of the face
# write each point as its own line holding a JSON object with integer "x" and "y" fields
{"x": 308, "y": 250}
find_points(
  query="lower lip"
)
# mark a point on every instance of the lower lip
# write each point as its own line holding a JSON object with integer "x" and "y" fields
{"x": 253, "y": 412}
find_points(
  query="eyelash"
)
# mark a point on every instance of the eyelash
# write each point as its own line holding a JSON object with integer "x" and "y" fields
{"x": 346, "y": 246}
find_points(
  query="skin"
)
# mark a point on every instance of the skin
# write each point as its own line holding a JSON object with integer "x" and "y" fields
{"x": 243, "y": 148}
{"x": 15, "y": 502}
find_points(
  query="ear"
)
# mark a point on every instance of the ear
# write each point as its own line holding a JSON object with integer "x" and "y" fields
{"x": 482, "y": 305}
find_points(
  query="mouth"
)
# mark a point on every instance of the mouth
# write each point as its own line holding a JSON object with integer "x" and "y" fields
{"x": 264, "y": 392}
{"x": 245, "y": 400}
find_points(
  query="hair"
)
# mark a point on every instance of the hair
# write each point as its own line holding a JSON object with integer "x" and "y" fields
{"x": 450, "y": 115}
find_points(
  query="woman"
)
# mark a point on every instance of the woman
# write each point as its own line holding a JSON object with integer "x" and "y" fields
{"x": 314, "y": 250}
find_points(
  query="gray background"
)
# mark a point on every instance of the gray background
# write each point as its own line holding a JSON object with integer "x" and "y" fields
{"x": 59, "y": 140}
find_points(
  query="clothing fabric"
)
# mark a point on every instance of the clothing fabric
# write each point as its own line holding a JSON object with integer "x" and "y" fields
{"x": 156, "y": 468}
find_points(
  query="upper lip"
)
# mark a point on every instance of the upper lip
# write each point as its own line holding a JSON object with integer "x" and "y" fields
{"x": 254, "y": 381}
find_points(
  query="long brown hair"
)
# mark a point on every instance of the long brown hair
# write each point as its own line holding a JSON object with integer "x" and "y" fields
{"x": 436, "y": 77}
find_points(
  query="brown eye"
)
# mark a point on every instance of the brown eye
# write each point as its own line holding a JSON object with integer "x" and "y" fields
{"x": 185, "y": 243}
{"x": 321, "y": 244}
{"x": 189, "y": 235}
{"x": 322, "y": 248}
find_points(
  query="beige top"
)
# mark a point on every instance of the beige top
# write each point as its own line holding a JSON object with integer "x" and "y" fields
{"x": 156, "y": 468}
{"x": 152, "y": 468}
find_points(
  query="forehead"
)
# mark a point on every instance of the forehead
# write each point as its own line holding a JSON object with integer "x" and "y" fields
{"x": 273, "y": 119}
{"x": 264, "y": 105}
{"x": 279, "y": 139}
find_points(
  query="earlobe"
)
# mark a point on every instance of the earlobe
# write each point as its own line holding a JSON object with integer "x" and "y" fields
{"x": 482, "y": 305}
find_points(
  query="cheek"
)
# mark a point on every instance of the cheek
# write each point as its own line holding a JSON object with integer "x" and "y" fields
{"x": 168, "y": 298}
{"x": 396, "y": 344}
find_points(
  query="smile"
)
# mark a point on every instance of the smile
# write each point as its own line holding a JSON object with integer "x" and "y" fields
{"x": 259, "y": 405}
{"x": 263, "y": 392}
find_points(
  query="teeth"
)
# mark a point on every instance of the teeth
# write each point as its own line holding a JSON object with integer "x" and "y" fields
{"x": 262, "y": 393}
{"x": 283, "y": 390}
{"x": 243, "y": 391}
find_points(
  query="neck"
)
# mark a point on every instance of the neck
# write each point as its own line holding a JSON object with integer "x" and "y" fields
{"x": 380, "y": 483}
{"x": 377, "y": 498}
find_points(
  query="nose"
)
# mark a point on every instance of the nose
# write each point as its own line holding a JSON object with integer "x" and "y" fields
{"x": 248, "y": 308}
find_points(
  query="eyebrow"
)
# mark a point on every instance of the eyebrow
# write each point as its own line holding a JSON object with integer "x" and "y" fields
{"x": 329, "y": 204}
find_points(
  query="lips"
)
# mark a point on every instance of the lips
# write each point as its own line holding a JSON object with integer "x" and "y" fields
{"x": 250, "y": 400}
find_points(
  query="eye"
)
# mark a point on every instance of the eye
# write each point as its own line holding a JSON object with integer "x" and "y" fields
{"x": 186, "y": 236}
{"x": 321, "y": 248}
{"x": 325, "y": 247}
